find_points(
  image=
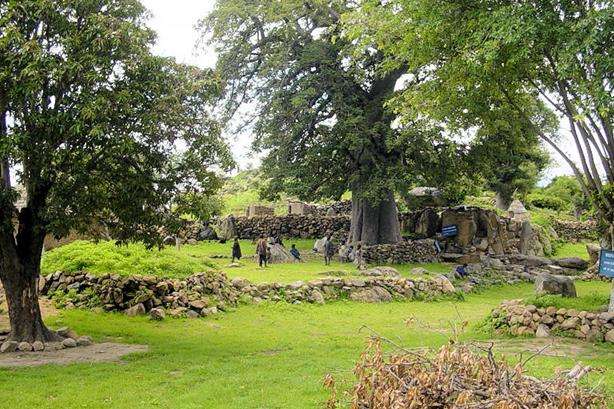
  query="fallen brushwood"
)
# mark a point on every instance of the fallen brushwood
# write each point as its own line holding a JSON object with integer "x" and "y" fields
{"x": 458, "y": 376}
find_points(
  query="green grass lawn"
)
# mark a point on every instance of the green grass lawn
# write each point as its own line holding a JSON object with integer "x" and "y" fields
{"x": 571, "y": 250}
{"x": 106, "y": 257}
{"x": 259, "y": 356}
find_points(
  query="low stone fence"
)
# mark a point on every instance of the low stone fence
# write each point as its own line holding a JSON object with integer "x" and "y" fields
{"x": 520, "y": 319}
{"x": 576, "y": 231}
{"x": 293, "y": 226}
{"x": 207, "y": 293}
{"x": 414, "y": 251}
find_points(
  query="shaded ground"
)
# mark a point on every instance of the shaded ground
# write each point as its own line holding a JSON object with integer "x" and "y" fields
{"x": 96, "y": 353}
{"x": 102, "y": 352}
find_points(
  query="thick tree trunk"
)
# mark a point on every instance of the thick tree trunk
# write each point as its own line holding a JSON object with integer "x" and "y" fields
{"x": 375, "y": 223}
{"x": 21, "y": 288}
{"x": 503, "y": 200}
{"x": 20, "y": 259}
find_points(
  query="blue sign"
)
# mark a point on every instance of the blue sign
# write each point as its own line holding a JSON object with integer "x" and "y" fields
{"x": 606, "y": 263}
{"x": 449, "y": 231}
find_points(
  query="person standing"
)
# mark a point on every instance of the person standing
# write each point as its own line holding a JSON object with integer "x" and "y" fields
{"x": 236, "y": 250}
{"x": 295, "y": 253}
{"x": 329, "y": 250}
{"x": 261, "y": 250}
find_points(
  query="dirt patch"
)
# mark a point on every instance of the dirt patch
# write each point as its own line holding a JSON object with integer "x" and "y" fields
{"x": 96, "y": 353}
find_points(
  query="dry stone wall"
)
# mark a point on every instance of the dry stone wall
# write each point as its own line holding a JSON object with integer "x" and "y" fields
{"x": 208, "y": 293}
{"x": 293, "y": 226}
{"x": 520, "y": 319}
{"x": 576, "y": 231}
{"x": 414, "y": 251}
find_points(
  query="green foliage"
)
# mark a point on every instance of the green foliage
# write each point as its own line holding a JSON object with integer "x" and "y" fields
{"x": 62, "y": 299}
{"x": 97, "y": 120}
{"x": 544, "y": 201}
{"x": 589, "y": 302}
{"x": 321, "y": 115}
{"x": 107, "y": 257}
{"x": 473, "y": 64}
{"x": 563, "y": 194}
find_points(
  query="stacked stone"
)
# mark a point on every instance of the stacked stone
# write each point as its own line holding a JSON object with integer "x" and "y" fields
{"x": 208, "y": 293}
{"x": 520, "y": 319}
{"x": 576, "y": 231}
{"x": 369, "y": 289}
{"x": 203, "y": 293}
{"x": 414, "y": 251}
{"x": 293, "y": 226}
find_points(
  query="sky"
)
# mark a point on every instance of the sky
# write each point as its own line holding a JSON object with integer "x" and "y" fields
{"x": 175, "y": 23}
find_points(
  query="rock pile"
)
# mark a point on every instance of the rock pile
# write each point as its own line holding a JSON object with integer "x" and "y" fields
{"x": 203, "y": 293}
{"x": 208, "y": 293}
{"x": 368, "y": 289}
{"x": 414, "y": 251}
{"x": 67, "y": 339}
{"x": 520, "y": 319}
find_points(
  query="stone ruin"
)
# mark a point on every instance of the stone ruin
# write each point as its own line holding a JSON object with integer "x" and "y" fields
{"x": 480, "y": 231}
{"x": 301, "y": 208}
{"x": 517, "y": 211}
{"x": 258, "y": 210}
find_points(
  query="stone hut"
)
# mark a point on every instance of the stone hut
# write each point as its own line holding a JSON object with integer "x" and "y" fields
{"x": 258, "y": 210}
{"x": 300, "y": 208}
{"x": 517, "y": 211}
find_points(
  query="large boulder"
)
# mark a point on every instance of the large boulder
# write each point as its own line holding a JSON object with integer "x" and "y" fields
{"x": 427, "y": 223}
{"x": 226, "y": 229}
{"x": 278, "y": 254}
{"x": 381, "y": 271}
{"x": 206, "y": 232}
{"x": 318, "y": 246}
{"x": 555, "y": 284}
{"x": 371, "y": 295}
{"x": 464, "y": 220}
{"x": 575, "y": 263}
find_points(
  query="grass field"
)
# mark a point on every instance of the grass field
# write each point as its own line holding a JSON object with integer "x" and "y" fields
{"x": 260, "y": 356}
{"x": 571, "y": 250}
{"x": 106, "y": 257}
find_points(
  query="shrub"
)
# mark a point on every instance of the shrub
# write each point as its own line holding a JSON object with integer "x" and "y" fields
{"x": 543, "y": 201}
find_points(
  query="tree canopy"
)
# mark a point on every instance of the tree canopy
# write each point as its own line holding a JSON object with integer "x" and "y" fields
{"x": 468, "y": 57}
{"x": 98, "y": 129}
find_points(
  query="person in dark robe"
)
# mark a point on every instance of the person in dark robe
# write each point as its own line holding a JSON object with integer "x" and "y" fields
{"x": 236, "y": 250}
{"x": 329, "y": 250}
{"x": 295, "y": 253}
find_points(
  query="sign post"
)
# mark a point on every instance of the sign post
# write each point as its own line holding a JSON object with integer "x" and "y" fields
{"x": 606, "y": 263}
{"x": 606, "y": 269}
{"x": 449, "y": 231}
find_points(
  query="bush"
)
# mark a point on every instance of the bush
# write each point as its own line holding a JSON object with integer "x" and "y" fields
{"x": 107, "y": 257}
{"x": 543, "y": 201}
{"x": 592, "y": 302}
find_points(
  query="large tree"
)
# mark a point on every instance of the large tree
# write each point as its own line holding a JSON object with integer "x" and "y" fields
{"x": 99, "y": 130}
{"x": 507, "y": 152}
{"x": 466, "y": 56}
{"x": 320, "y": 110}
